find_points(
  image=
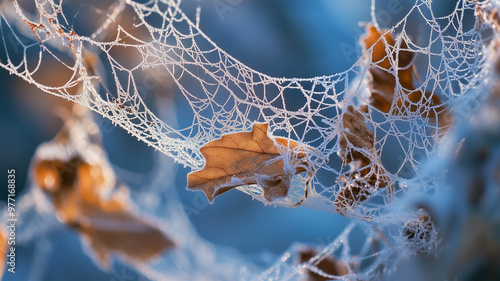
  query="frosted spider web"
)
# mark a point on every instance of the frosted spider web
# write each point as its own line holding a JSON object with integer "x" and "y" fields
{"x": 225, "y": 96}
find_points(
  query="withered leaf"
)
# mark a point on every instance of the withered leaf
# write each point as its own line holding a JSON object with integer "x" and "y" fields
{"x": 392, "y": 65}
{"x": 429, "y": 106}
{"x": 357, "y": 134}
{"x": 83, "y": 197}
{"x": 359, "y": 184}
{"x": 249, "y": 158}
{"x": 356, "y": 149}
{"x": 385, "y": 54}
{"x": 108, "y": 224}
{"x": 419, "y": 230}
{"x": 328, "y": 265}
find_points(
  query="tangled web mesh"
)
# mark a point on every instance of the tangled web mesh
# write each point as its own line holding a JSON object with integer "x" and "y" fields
{"x": 101, "y": 70}
{"x": 226, "y": 96}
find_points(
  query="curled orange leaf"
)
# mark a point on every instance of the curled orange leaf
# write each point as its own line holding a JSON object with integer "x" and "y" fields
{"x": 84, "y": 196}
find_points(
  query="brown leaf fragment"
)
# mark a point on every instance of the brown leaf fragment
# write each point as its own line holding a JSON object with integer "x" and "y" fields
{"x": 418, "y": 229}
{"x": 429, "y": 106}
{"x": 392, "y": 66}
{"x": 350, "y": 195}
{"x": 328, "y": 265}
{"x": 385, "y": 53}
{"x": 373, "y": 38}
{"x": 418, "y": 232}
{"x": 108, "y": 224}
{"x": 357, "y": 136}
{"x": 367, "y": 173}
{"x": 359, "y": 184}
{"x": 487, "y": 13}
{"x": 382, "y": 90}
{"x": 83, "y": 197}
{"x": 249, "y": 158}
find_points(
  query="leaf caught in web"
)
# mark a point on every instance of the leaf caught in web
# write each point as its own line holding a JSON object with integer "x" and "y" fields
{"x": 326, "y": 264}
{"x": 357, "y": 141}
{"x": 4, "y": 249}
{"x": 367, "y": 172}
{"x": 249, "y": 158}
{"x": 84, "y": 198}
{"x": 386, "y": 53}
{"x": 393, "y": 65}
{"x": 108, "y": 223}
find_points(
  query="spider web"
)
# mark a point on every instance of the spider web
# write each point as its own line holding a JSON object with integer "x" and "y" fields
{"x": 225, "y": 96}
{"x": 135, "y": 39}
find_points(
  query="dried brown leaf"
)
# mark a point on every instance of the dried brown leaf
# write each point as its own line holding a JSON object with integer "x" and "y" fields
{"x": 385, "y": 54}
{"x": 392, "y": 65}
{"x": 356, "y": 149}
{"x": 328, "y": 265}
{"x": 249, "y": 158}
{"x": 428, "y": 105}
{"x": 359, "y": 184}
{"x": 420, "y": 230}
{"x": 81, "y": 195}
{"x": 357, "y": 137}
{"x": 108, "y": 224}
